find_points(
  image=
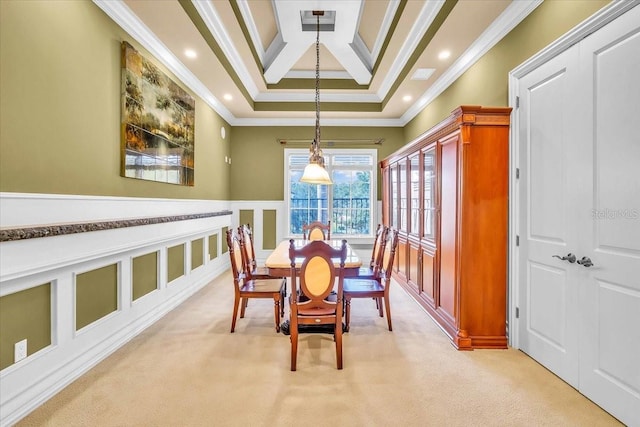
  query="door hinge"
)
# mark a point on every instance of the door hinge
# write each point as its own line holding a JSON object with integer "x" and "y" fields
{"x": 517, "y": 173}
{"x": 517, "y": 240}
{"x": 517, "y": 102}
{"x": 517, "y": 312}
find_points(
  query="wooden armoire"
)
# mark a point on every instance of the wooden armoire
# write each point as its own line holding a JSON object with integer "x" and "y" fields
{"x": 446, "y": 192}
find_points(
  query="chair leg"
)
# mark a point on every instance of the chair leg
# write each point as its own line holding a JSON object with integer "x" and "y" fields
{"x": 387, "y": 306}
{"x": 338, "y": 339}
{"x": 347, "y": 312}
{"x": 293, "y": 329}
{"x": 243, "y": 306}
{"x": 276, "y": 307}
{"x": 379, "y": 304}
{"x": 283, "y": 296}
{"x": 236, "y": 303}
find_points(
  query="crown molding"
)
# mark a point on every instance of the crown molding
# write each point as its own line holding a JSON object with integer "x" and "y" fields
{"x": 217, "y": 29}
{"x": 125, "y": 18}
{"x": 512, "y": 16}
{"x": 245, "y": 11}
{"x": 425, "y": 19}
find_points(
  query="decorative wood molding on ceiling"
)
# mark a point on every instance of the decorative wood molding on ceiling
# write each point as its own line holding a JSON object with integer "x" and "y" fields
{"x": 330, "y": 142}
{"x": 347, "y": 101}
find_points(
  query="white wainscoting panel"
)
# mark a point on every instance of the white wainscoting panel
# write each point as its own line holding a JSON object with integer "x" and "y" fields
{"x": 57, "y": 259}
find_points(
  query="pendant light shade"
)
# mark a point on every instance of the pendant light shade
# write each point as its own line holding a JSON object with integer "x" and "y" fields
{"x": 314, "y": 172}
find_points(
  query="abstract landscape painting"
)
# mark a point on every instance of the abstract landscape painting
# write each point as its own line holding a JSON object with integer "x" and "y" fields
{"x": 157, "y": 123}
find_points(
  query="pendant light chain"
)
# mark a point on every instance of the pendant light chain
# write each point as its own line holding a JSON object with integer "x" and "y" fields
{"x": 315, "y": 172}
{"x": 318, "y": 80}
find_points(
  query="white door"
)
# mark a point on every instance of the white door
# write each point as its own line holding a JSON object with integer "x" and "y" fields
{"x": 549, "y": 285}
{"x": 580, "y": 193}
{"x": 609, "y": 218}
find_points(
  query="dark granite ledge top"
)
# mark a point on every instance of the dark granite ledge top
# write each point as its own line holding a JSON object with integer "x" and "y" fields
{"x": 10, "y": 234}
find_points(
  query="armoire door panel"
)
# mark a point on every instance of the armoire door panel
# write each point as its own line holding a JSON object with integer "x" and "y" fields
{"x": 401, "y": 251}
{"x": 428, "y": 276}
{"x": 448, "y": 225}
{"x": 413, "y": 265}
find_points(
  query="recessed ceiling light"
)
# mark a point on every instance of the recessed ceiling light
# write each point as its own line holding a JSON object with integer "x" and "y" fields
{"x": 228, "y": 97}
{"x": 422, "y": 73}
{"x": 190, "y": 53}
{"x": 444, "y": 54}
{"x": 407, "y": 98}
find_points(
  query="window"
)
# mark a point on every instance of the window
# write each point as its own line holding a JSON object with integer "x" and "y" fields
{"x": 350, "y": 203}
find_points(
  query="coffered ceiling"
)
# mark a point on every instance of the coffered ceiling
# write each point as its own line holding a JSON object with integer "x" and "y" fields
{"x": 255, "y": 60}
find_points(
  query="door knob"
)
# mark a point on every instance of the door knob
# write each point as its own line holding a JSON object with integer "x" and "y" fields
{"x": 585, "y": 261}
{"x": 570, "y": 257}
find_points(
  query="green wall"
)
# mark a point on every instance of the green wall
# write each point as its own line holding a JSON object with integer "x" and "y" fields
{"x": 25, "y": 314}
{"x": 144, "y": 275}
{"x": 269, "y": 220}
{"x": 60, "y": 108}
{"x": 96, "y": 294}
{"x": 258, "y": 157}
{"x": 197, "y": 253}
{"x": 213, "y": 246}
{"x": 175, "y": 262}
{"x": 486, "y": 83}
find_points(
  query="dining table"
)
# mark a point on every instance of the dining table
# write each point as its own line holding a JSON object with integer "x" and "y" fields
{"x": 279, "y": 264}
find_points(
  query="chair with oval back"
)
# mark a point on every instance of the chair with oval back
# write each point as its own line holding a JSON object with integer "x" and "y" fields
{"x": 246, "y": 287}
{"x": 312, "y": 301}
{"x": 378, "y": 287}
{"x": 316, "y": 230}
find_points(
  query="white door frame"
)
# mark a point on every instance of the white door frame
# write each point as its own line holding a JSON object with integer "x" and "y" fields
{"x": 582, "y": 30}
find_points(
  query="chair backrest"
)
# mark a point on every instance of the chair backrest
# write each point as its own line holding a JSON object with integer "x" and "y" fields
{"x": 316, "y": 230}
{"x": 389, "y": 254}
{"x": 378, "y": 246}
{"x": 247, "y": 240}
{"x": 236, "y": 255}
{"x": 317, "y": 277}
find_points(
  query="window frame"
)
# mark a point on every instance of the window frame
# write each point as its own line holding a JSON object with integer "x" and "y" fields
{"x": 328, "y": 152}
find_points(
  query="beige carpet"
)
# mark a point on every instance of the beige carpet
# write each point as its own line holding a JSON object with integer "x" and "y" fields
{"x": 188, "y": 370}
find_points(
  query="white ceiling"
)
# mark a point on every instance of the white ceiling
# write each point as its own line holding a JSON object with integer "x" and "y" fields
{"x": 378, "y": 67}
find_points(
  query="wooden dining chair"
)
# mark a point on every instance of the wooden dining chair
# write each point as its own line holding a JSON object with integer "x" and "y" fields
{"x": 246, "y": 288}
{"x": 378, "y": 287}
{"x": 312, "y": 301}
{"x": 254, "y": 271}
{"x": 375, "y": 264}
{"x": 316, "y": 230}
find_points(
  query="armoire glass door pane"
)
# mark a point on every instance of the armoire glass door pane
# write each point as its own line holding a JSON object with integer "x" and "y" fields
{"x": 429, "y": 186}
{"x": 414, "y": 193}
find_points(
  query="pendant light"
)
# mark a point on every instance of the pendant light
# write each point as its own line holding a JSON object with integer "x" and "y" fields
{"x": 315, "y": 172}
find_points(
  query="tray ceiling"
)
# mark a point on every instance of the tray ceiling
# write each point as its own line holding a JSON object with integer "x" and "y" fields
{"x": 379, "y": 59}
